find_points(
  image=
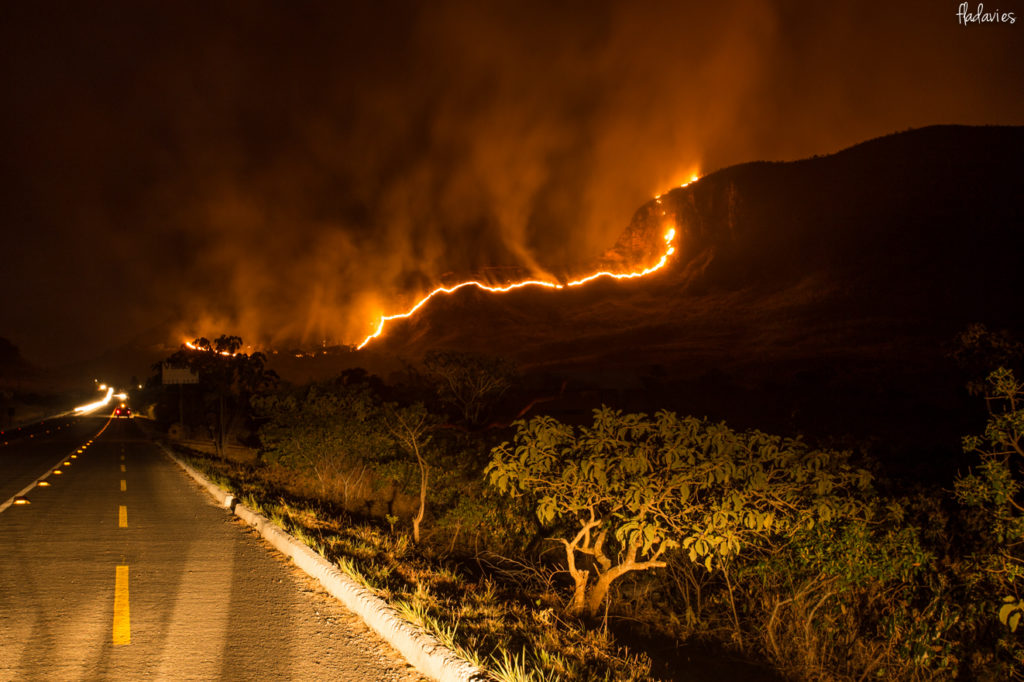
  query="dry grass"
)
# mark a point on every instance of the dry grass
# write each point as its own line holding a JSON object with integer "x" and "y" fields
{"x": 503, "y": 620}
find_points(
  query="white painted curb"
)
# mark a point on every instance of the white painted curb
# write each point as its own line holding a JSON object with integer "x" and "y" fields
{"x": 418, "y": 646}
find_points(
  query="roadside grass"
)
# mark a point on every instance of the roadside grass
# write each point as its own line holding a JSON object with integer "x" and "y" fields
{"x": 507, "y": 622}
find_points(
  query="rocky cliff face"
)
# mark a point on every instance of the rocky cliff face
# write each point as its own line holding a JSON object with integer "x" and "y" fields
{"x": 640, "y": 244}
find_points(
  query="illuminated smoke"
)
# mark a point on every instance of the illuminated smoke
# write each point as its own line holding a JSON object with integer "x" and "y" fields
{"x": 669, "y": 250}
{"x": 285, "y": 173}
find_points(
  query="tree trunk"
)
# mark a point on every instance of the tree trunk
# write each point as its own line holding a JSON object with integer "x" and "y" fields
{"x": 597, "y": 594}
{"x": 220, "y": 430}
{"x": 605, "y": 579}
{"x": 737, "y": 632}
{"x": 604, "y": 582}
{"x": 579, "y": 595}
{"x": 423, "y": 495}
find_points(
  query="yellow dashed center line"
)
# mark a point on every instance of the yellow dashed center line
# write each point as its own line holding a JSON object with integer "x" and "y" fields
{"x": 122, "y": 516}
{"x": 122, "y": 617}
{"x": 122, "y": 468}
{"x": 123, "y": 485}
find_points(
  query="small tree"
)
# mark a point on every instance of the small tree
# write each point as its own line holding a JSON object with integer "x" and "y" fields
{"x": 410, "y": 427}
{"x": 469, "y": 382}
{"x": 995, "y": 491}
{"x": 630, "y": 488}
{"x": 334, "y": 431}
{"x": 233, "y": 377}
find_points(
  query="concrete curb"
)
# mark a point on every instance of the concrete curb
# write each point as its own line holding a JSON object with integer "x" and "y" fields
{"x": 418, "y": 647}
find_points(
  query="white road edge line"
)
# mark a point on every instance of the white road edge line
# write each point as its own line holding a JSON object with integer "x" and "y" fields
{"x": 418, "y": 646}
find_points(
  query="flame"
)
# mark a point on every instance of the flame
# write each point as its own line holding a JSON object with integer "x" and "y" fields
{"x": 670, "y": 249}
{"x": 192, "y": 346}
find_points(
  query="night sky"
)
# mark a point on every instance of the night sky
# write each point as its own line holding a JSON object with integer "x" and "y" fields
{"x": 280, "y": 170}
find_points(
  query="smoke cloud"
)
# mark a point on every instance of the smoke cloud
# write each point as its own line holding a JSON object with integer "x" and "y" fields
{"x": 290, "y": 173}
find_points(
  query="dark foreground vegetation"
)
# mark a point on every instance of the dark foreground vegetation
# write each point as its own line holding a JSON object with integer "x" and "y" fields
{"x": 615, "y": 548}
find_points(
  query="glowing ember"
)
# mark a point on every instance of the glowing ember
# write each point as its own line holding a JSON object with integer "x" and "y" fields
{"x": 669, "y": 250}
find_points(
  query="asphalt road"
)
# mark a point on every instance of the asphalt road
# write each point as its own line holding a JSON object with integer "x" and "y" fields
{"x": 123, "y": 568}
{"x": 29, "y": 451}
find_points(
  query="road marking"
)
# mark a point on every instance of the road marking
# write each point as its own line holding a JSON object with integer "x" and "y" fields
{"x": 122, "y": 617}
{"x": 123, "y": 485}
{"x": 24, "y": 491}
{"x": 122, "y": 458}
{"x": 122, "y": 516}
{"x": 122, "y": 468}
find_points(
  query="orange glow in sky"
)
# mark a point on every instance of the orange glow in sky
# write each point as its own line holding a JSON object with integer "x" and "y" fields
{"x": 669, "y": 249}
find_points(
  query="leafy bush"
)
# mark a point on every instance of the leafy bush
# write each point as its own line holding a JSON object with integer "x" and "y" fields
{"x": 623, "y": 492}
{"x": 333, "y": 431}
{"x": 992, "y": 492}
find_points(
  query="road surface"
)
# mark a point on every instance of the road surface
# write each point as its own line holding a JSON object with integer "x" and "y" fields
{"x": 123, "y": 568}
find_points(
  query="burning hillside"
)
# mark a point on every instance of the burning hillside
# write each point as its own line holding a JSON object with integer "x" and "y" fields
{"x": 826, "y": 257}
{"x": 668, "y": 249}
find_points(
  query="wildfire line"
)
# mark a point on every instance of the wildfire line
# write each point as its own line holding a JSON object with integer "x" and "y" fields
{"x": 669, "y": 250}
{"x": 192, "y": 346}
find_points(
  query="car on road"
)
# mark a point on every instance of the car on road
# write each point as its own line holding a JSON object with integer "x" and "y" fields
{"x": 123, "y": 411}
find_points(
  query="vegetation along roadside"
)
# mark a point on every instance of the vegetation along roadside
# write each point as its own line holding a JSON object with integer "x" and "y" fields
{"x": 624, "y": 545}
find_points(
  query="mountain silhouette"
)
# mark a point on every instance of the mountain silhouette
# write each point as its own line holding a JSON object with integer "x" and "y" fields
{"x": 851, "y": 273}
{"x": 907, "y": 237}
